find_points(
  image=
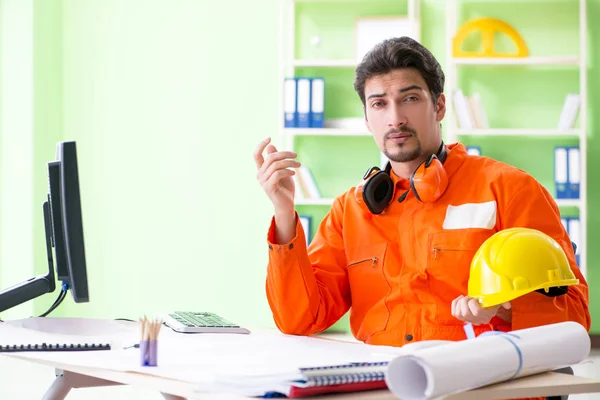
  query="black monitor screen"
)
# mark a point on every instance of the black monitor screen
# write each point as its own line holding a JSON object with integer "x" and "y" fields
{"x": 67, "y": 221}
{"x": 63, "y": 231}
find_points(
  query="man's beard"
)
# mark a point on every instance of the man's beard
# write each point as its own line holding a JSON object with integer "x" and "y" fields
{"x": 406, "y": 155}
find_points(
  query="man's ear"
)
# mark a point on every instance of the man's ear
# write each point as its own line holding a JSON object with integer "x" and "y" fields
{"x": 440, "y": 107}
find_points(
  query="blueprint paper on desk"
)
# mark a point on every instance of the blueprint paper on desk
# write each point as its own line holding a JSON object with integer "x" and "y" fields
{"x": 489, "y": 358}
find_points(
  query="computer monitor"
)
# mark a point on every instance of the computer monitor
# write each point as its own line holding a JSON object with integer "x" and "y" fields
{"x": 64, "y": 232}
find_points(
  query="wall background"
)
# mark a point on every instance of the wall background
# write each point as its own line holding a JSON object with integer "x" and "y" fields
{"x": 167, "y": 101}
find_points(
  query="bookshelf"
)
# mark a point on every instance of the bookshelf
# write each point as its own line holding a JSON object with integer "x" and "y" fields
{"x": 318, "y": 41}
{"x": 566, "y": 61}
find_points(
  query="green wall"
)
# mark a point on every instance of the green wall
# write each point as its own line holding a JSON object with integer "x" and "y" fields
{"x": 167, "y": 100}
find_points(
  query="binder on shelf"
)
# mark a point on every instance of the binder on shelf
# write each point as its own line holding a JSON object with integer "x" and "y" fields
{"x": 462, "y": 110}
{"x": 307, "y": 183}
{"x": 474, "y": 150}
{"x": 317, "y": 102}
{"x": 561, "y": 172}
{"x": 306, "y": 220}
{"x": 569, "y": 111}
{"x": 478, "y": 112}
{"x": 574, "y": 231}
{"x": 574, "y": 174}
{"x": 303, "y": 102}
{"x": 299, "y": 192}
{"x": 565, "y": 224}
{"x": 289, "y": 103}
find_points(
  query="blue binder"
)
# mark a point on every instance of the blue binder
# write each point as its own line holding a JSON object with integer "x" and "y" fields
{"x": 561, "y": 172}
{"x": 574, "y": 172}
{"x": 474, "y": 150}
{"x": 289, "y": 103}
{"x": 317, "y": 102}
{"x": 574, "y": 232}
{"x": 303, "y": 102}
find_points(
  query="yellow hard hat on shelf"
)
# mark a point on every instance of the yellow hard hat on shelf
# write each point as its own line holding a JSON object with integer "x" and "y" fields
{"x": 517, "y": 261}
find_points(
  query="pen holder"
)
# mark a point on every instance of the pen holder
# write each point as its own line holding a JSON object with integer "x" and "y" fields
{"x": 149, "y": 353}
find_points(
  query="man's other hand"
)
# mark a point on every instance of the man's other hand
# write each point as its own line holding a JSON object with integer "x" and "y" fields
{"x": 468, "y": 309}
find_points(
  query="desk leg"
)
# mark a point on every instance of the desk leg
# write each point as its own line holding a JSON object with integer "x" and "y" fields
{"x": 168, "y": 396}
{"x": 66, "y": 380}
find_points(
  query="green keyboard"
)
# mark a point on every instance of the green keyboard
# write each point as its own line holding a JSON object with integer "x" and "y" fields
{"x": 201, "y": 322}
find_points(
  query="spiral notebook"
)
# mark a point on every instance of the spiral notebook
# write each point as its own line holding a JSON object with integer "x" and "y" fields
{"x": 54, "y": 347}
{"x": 350, "y": 377}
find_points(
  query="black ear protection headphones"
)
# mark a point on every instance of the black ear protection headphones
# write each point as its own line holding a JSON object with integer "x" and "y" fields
{"x": 428, "y": 182}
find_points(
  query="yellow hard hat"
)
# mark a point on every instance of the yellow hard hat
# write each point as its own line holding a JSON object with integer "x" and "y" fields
{"x": 517, "y": 261}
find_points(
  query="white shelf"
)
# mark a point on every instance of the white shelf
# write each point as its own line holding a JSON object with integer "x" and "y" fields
{"x": 515, "y": 60}
{"x": 568, "y": 202}
{"x": 325, "y": 63}
{"x": 325, "y": 132}
{"x": 314, "y": 202}
{"x": 518, "y": 132}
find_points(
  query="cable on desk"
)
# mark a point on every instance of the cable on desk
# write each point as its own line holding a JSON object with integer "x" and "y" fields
{"x": 59, "y": 299}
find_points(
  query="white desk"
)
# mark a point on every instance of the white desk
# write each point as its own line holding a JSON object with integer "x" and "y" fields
{"x": 76, "y": 371}
{"x": 548, "y": 384}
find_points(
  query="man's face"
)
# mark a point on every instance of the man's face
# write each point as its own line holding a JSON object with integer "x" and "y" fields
{"x": 400, "y": 113}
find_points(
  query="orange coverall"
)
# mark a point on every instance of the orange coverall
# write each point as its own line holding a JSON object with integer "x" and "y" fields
{"x": 399, "y": 271}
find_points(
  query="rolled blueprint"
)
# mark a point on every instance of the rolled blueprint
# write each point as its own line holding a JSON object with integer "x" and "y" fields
{"x": 490, "y": 358}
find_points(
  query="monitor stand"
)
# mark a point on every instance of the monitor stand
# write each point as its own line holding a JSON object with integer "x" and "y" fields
{"x": 37, "y": 286}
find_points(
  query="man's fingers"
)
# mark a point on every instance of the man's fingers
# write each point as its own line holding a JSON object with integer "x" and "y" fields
{"x": 279, "y": 165}
{"x": 474, "y": 307}
{"x": 464, "y": 310}
{"x": 454, "y": 308}
{"x": 274, "y": 157}
{"x": 278, "y": 175}
{"x": 271, "y": 149}
{"x": 279, "y": 155}
{"x": 468, "y": 309}
{"x": 258, "y": 157}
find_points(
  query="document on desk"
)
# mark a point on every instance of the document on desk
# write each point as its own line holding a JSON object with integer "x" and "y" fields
{"x": 490, "y": 358}
{"x": 205, "y": 358}
{"x": 265, "y": 362}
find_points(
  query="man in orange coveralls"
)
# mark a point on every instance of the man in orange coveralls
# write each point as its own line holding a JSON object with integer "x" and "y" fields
{"x": 402, "y": 266}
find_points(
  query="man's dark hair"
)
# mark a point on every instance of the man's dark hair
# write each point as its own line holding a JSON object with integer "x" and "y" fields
{"x": 396, "y": 53}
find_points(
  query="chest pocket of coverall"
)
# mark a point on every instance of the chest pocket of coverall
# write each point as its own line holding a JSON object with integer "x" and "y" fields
{"x": 368, "y": 285}
{"x": 449, "y": 262}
